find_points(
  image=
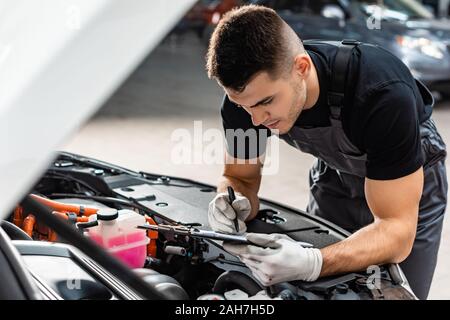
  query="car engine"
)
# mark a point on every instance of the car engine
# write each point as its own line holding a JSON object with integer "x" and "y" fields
{"x": 106, "y": 203}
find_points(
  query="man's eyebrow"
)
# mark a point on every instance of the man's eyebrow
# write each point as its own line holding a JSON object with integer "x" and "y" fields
{"x": 258, "y": 103}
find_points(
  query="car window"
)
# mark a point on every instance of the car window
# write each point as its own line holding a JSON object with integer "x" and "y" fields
{"x": 313, "y": 7}
{"x": 396, "y": 9}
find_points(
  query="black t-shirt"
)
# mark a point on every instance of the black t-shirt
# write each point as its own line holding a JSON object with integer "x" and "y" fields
{"x": 382, "y": 111}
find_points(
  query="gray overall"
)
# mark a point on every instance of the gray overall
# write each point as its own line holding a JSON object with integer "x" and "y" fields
{"x": 337, "y": 189}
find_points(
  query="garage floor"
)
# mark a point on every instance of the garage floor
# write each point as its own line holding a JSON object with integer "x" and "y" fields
{"x": 170, "y": 90}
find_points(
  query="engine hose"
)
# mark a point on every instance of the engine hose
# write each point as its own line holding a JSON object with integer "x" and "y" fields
{"x": 63, "y": 207}
{"x": 65, "y": 216}
{"x": 234, "y": 279}
{"x": 86, "y": 225}
{"x": 28, "y": 224}
{"x": 92, "y": 250}
{"x": 52, "y": 236}
{"x": 153, "y": 235}
{"x": 18, "y": 216}
{"x": 61, "y": 215}
{"x": 131, "y": 203}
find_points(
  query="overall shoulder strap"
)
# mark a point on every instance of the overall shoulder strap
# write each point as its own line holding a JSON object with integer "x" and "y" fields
{"x": 338, "y": 77}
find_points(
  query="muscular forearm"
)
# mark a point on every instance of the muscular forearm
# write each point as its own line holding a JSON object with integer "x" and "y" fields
{"x": 384, "y": 241}
{"x": 248, "y": 189}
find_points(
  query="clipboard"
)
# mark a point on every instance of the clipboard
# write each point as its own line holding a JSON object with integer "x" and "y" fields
{"x": 205, "y": 234}
{"x": 197, "y": 233}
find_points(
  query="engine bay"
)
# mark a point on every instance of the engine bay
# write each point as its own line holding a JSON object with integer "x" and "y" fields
{"x": 106, "y": 203}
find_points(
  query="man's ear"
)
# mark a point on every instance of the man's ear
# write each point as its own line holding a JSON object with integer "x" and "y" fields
{"x": 302, "y": 65}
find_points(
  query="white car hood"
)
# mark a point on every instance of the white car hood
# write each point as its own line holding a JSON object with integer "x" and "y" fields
{"x": 59, "y": 61}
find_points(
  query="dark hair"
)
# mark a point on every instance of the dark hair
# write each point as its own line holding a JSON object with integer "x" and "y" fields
{"x": 247, "y": 40}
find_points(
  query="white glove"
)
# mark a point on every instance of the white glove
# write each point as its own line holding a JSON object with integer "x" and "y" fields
{"x": 282, "y": 259}
{"x": 221, "y": 214}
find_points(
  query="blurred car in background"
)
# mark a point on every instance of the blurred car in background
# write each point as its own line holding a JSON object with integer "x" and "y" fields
{"x": 440, "y": 8}
{"x": 405, "y": 27}
{"x": 213, "y": 14}
{"x": 204, "y": 15}
{"x": 194, "y": 20}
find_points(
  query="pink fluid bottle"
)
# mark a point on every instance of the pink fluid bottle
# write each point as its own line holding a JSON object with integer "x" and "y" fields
{"x": 117, "y": 232}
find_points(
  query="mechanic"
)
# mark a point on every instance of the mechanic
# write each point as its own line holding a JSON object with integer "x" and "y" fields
{"x": 380, "y": 171}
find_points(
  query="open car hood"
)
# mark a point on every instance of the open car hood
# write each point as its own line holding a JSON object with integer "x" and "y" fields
{"x": 59, "y": 61}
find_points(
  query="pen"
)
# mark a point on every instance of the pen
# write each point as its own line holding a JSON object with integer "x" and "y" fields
{"x": 232, "y": 197}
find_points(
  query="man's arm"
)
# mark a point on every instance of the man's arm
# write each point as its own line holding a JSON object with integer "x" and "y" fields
{"x": 389, "y": 239}
{"x": 245, "y": 177}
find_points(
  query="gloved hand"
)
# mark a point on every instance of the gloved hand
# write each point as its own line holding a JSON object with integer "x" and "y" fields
{"x": 281, "y": 259}
{"x": 221, "y": 214}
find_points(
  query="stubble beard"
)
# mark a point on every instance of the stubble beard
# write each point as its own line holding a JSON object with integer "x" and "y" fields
{"x": 297, "y": 105}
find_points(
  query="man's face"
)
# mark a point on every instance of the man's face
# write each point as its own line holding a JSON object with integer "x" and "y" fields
{"x": 275, "y": 104}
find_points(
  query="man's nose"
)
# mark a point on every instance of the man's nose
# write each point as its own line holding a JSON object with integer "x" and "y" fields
{"x": 259, "y": 116}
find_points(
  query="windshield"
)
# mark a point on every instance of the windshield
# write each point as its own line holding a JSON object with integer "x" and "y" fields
{"x": 396, "y": 9}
